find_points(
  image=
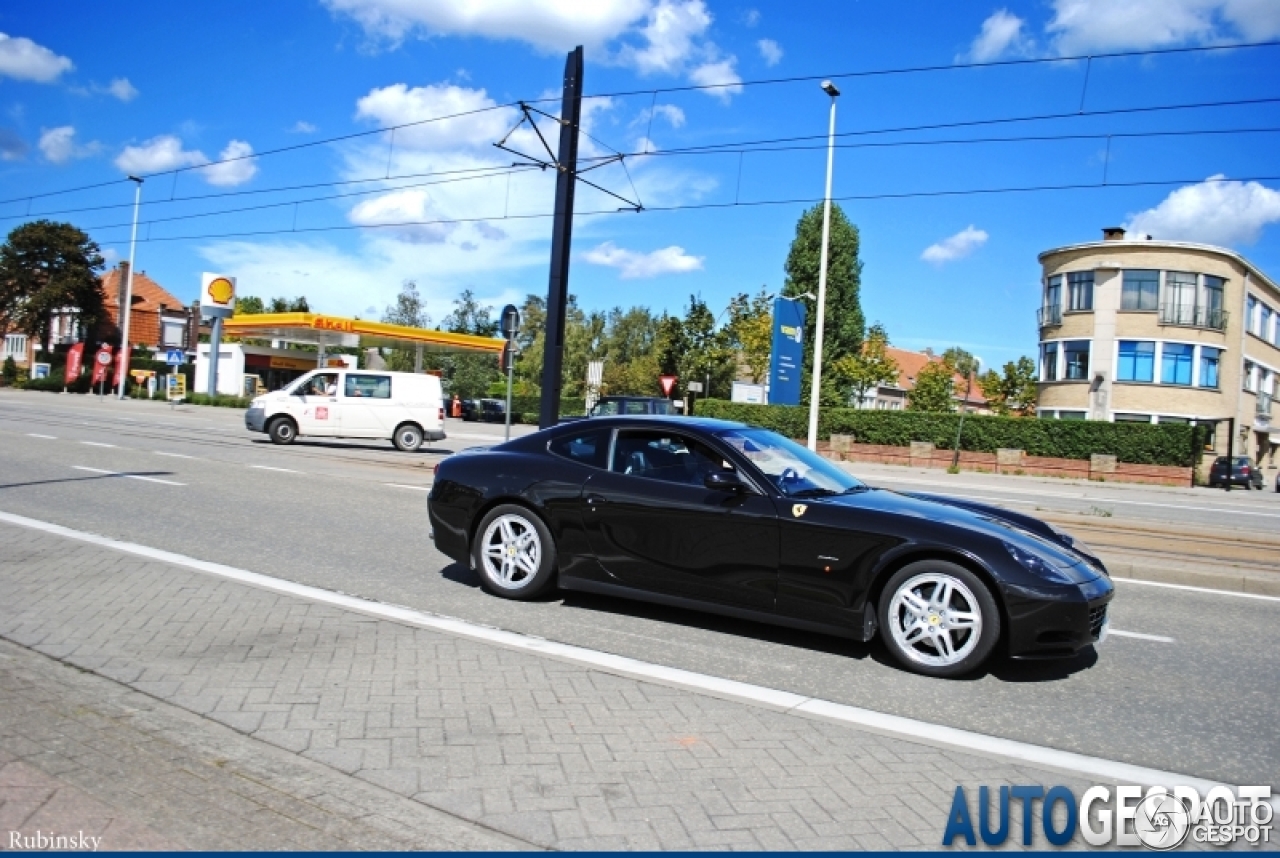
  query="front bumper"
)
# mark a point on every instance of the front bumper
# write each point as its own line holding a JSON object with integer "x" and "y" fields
{"x": 1055, "y": 622}
{"x": 434, "y": 435}
{"x": 255, "y": 420}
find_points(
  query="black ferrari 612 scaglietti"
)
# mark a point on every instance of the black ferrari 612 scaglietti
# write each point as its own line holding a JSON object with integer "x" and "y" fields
{"x": 739, "y": 520}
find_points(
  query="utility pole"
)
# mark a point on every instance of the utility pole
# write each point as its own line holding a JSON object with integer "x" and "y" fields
{"x": 561, "y": 240}
{"x": 126, "y": 309}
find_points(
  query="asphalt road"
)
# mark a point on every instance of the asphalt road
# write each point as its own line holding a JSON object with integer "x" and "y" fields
{"x": 1196, "y": 694}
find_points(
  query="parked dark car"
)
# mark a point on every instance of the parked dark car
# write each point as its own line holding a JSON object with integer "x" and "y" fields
{"x": 1235, "y": 471}
{"x": 493, "y": 410}
{"x": 738, "y": 520}
{"x": 471, "y": 409}
{"x": 609, "y": 406}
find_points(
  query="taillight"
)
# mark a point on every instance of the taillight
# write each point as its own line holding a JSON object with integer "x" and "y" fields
{"x": 435, "y": 472}
{"x": 442, "y": 414}
{"x": 1244, "y": 469}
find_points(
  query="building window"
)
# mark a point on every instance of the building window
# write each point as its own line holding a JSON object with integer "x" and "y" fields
{"x": 1141, "y": 290}
{"x": 1072, "y": 415}
{"x": 1133, "y": 418}
{"x": 1209, "y": 358}
{"x": 1250, "y": 382}
{"x": 1080, "y": 290}
{"x": 1137, "y": 361}
{"x": 173, "y": 332}
{"x": 1175, "y": 363}
{"x": 1053, "y": 291}
{"x": 1076, "y": 354}
{"x": 15, "y": 346}
{"x": 1180, "y": 297}
{"x": 1049, "y": 362}
{"x": 1264, "y": 322}
{"x": 1214, "y": 290}
{"x": 1251, "y": 315}
{"x": 1181, "y": 421}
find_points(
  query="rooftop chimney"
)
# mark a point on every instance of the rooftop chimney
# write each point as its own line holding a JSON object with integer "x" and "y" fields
{"x": 1113, "y": 233}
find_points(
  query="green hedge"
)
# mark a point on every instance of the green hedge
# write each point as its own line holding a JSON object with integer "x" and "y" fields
{"x": 1135, "y": 443}
{"x": 220, "y": 400}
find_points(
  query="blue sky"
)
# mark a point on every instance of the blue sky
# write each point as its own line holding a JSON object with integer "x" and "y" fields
{"x": 92, "y": 91}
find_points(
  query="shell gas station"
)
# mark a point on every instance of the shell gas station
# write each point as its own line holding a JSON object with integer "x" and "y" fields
{"x": 242, "y": 366}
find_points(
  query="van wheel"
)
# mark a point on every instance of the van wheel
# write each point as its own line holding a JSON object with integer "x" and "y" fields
{"x": 282, "y": 431}
{"x": 408, "y": 438}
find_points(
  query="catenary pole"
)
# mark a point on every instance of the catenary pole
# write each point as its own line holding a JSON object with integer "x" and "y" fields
{"x": 816, "y": 386}
{"x": 561, "y": 239}
{"x": 127, "y": 310}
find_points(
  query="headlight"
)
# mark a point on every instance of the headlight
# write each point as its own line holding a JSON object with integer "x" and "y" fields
{"x": 1076, "y": 544}
{"x": 258, "y": 403}
{"x": 1039, "y": 565}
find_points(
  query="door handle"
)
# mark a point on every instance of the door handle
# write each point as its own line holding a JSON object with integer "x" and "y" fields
{"x": 593, "y": 499}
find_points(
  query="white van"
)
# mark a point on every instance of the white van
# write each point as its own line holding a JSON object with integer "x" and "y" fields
{"x": 333, "y": 402}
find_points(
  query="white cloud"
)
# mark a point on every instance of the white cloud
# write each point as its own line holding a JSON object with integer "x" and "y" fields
{"x": 232, "y": 172}
{"x": 770, "y": 50}
{"x": 635, "y": 265}
{"x": 121, "y": 88}
{"x": 398, "y": 104}
{"x": 58, "y": 145}
{"x": 670, "y": 112}
{"x": 1082, "y": 26}
{"x": 157, "y": 155}
{"x": 751, "y": 18}
{"x": 958, "y": 246}
{"x": 1216, "y": 211}
{"x": 670, "y": 33}
{"x": 549, "y": 25}
{"x": 401, "y": 212}
{"x": 1002, "y": 35}
{"x": 721, "y": 75}
{"x": 23, "y": 59}
{"x": 301, "y": 127}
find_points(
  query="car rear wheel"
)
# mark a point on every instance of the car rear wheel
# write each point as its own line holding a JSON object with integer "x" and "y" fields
{"x": 408, "y": 438}
{"x": 514, "y": 553}
{"x": 938, "y": 618}
{"x": 282, "y": 431}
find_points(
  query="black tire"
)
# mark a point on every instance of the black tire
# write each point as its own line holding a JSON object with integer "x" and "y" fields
{"x": 501, "y": 553}
{"x": 940, "y": 626}
{"x": 408, "y": 438}
{"x": 282, "y": 430}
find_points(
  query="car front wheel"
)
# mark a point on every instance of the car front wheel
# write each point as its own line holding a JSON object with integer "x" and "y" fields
{"x": 938, "y": 618}
{"x": 513, "y": 553}
{"x": 282, "y": 431}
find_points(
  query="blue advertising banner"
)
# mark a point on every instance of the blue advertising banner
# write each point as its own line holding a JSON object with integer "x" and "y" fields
{"x": 788, "y": 351}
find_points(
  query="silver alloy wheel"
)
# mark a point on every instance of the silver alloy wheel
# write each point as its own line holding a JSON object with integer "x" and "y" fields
{"x": 935, "y": 619}
{"x": 511, "y": 551}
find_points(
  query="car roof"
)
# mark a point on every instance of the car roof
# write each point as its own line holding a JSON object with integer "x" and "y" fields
{"x": 707, "y": 424}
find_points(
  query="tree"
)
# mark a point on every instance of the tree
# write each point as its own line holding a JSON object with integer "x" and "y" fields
{"x": 471, "y": 373}
{"x": 844, "y": 324}
{"x": 1014, "y": 391}
{"x": 750, "y": 332}
{"x": 249, "y": 305}
{"x": 45, "y": 268}
{"x": 934, "y": 389}
{"x": 285, "y": 305}
{"x": 868, "y": 369}
{"x": 960, "y": 361}
{"x": 409, "y": 310}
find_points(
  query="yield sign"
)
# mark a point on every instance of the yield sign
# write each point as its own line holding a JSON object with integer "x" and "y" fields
{"x": 668, "y": 382}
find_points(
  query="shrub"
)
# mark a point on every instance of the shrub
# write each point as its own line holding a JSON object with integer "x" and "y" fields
{"x": 1134, "y": 443}
{"x": 218, "y": 400}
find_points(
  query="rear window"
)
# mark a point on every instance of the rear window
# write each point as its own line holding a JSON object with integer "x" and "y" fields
{"x": 368, "y": 386}
{"x": 588, "y": 447}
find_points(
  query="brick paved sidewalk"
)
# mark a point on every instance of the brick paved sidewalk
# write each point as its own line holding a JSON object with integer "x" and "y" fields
{"x": 224, "y": 716}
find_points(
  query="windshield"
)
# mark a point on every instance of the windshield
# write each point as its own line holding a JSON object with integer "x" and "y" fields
{"x": 795, "y": 470}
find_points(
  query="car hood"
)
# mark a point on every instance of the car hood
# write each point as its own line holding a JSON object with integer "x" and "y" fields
{"x": 1024, "y": 532}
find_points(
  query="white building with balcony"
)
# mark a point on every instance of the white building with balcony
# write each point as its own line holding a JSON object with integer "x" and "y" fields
{"x": 1161, "y": 332}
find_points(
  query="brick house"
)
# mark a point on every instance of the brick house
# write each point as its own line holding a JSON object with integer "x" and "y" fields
{"x": 157, "y": 320}
{"x": 893, "y": 397}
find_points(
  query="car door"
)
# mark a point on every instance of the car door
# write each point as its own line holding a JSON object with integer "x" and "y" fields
{"x": 654, "y": 525}
{"x": 315, "y": 405}
{"x": 368, "y": 409}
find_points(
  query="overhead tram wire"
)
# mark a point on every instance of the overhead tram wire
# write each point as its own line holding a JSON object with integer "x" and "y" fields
{"x": 937, "y": 68}
{"x": 729, "y": 205}
{"x": 276, "y": 190}
{"x": 277, "y": 151}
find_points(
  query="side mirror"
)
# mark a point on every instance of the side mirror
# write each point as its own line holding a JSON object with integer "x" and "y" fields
{"x": 724, "y": 481}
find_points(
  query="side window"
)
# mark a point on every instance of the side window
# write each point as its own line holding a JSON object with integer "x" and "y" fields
{"x": 605, "y": 409}
{"x": 659, "y": 455}
{"x": 590, "y": 447}
{"x": 367, "y": 386}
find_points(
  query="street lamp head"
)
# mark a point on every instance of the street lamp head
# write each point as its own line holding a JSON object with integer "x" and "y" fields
{"x": 135, "y": 179}
{"x": 830, "y": 88}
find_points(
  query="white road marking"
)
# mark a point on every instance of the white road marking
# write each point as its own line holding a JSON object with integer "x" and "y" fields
{"x": 129, "y": 476}
{"x": 269, "y": 468}
{"x": 783, "y": 701}
{"x": 96, "y": 444}
{"x": 1198, "y": 589}
{"x": 1237, "y": 509}
{"x": 402, "y": 486}
{"x": 172, "y": 455}
{"x": 1140, "y": 636}
{"x": 38, "y": 435}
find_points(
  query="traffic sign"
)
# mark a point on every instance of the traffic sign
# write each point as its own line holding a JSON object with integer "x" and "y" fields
{"x": 175, "y": 357}
{"x": 104, "y": 357}
{"x": 694, "y": 386}
{"x": 668, "y": 383}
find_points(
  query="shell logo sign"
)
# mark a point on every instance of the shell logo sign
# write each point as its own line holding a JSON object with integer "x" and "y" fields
{"x": 326, "y": 323}
{"x": 218, "y": 290}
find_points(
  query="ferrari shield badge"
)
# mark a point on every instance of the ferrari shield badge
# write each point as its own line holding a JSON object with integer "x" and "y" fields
{"x": 798, "y": 509}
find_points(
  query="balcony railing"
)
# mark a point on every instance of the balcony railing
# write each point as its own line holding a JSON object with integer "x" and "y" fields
{"x": 1046, "y": 316}
{"x": 1193, "y": 317}
{"x": 1264, "y": 403}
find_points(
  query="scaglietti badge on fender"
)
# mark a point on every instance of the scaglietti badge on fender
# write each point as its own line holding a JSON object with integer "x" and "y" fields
{"x": 797, "y": 509}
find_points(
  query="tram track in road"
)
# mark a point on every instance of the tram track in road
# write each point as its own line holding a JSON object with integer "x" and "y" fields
{"x": 1174, "y": 542}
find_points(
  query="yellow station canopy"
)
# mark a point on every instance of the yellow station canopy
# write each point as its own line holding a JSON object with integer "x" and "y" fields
{"x": 319, "y": 330}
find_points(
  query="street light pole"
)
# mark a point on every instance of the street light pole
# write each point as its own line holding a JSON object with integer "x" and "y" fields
{"x": 815, "y": 388}
{"x": 127, "y": 310}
